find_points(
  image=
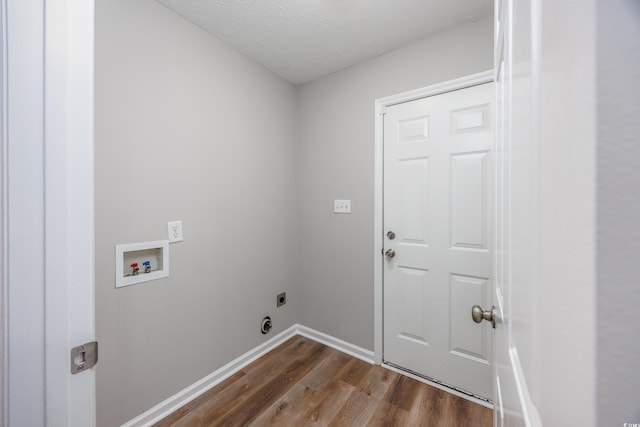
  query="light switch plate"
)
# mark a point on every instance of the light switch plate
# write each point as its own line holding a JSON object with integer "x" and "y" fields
{"x": 174, "y": 228}
{"x": 342, "y": 206}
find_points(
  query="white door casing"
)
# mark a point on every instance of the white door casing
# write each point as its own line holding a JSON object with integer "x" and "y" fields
{"x": 48, "y": 210}
{"x": 437, "y": 175}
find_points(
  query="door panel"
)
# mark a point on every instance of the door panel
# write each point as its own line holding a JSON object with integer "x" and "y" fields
{"x": 469, "y": 207}
{"x": 415, "y": 292}
{"x": 437, "y": 163}
{"x": 465, "y": 339}
{"x": 414, "y": 200}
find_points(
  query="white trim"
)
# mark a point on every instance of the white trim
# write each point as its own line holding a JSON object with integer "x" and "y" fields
{"x": 68, "y": 210}
{"x": 380, "y": 105}
{"x": 48, "y": 210}
{"x": 440, "y": 386}
{"x": 80, "y": 288}
{"x": 336, "y": 343}
{"x": 378, "y": 224}
{"x": 437, "y": 89}
{"x": 3, "y": 214}
{"x": 24, "y": 210}
{"x": 200, "y": 387}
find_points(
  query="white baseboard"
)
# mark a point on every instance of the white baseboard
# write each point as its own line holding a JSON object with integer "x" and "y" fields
{"x": 338, "y": 344}
{"x": 190, "y": 393}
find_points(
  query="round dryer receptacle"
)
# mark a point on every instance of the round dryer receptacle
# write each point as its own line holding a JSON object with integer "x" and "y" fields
{"x": 266, "y": 325}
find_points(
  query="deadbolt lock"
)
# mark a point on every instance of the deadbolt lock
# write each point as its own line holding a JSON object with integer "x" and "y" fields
{"x": 391, "y": 235}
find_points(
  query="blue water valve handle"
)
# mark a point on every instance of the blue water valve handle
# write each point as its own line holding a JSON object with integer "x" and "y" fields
{"x": 147, "y": 266}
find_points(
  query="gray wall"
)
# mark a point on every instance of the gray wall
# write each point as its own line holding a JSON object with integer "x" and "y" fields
{"x": 336, "y": 161}
{"x": 186, "y": 128}
{"x": 618, "y": 310}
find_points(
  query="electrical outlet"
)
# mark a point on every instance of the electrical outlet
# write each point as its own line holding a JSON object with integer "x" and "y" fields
{"x": 281, "y": 299}
{"x": 342, "y": 206}
{"x": 174, "y": 229}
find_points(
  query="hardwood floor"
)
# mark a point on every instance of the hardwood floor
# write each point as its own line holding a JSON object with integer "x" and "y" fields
{"x": 304, "y": 383}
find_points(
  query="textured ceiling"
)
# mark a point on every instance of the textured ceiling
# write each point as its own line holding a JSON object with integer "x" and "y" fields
{"x": 302, "y": 40}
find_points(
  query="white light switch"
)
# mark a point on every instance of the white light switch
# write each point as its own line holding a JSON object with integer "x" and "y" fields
{"x": 342, "y": 206}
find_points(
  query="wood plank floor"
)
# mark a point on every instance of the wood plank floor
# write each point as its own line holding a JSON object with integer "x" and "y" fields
{"x": 304, "y": 383}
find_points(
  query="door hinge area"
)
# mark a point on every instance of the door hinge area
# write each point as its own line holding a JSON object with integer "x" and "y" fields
{"x": 84, "y": 357}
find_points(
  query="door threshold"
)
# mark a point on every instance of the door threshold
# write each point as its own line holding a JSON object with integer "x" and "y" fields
{"x": 439, "y": 385}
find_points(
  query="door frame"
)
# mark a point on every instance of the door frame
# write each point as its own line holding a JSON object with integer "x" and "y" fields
{"x": 378, "y": 233}
{"x": 47, "y": 210}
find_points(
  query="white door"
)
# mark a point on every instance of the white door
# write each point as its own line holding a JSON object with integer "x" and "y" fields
{"x": 507, "y": 408}
{"x": 517, "y": 228}
{"x": 437, "y": 237}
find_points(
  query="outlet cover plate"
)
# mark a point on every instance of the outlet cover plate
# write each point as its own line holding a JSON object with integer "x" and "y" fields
{"x": 342, "y": 206}
{"x": 281, "y": 299}
{"x": 174, "y": 228}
